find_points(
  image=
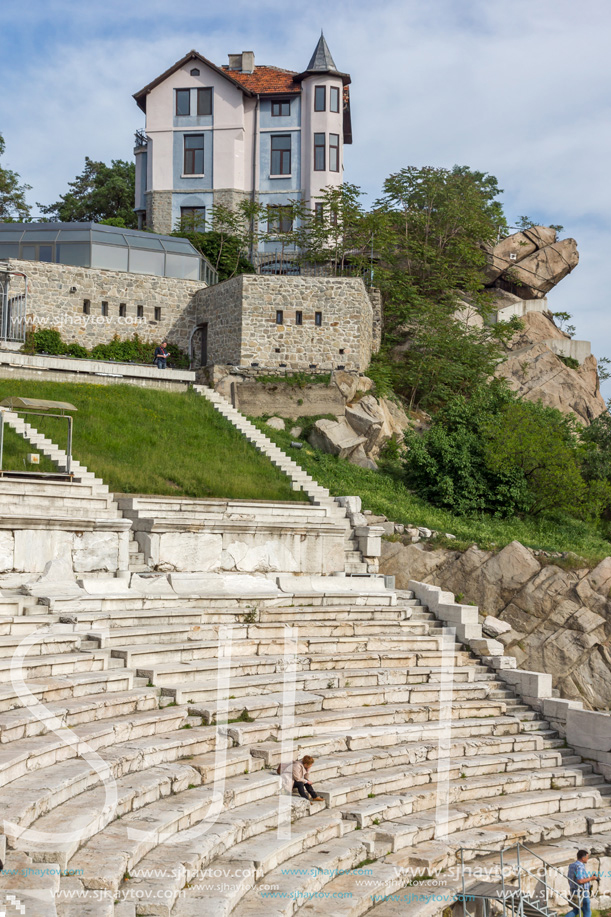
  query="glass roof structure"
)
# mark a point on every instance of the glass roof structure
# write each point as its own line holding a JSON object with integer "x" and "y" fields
{"x": 110, "y": 248}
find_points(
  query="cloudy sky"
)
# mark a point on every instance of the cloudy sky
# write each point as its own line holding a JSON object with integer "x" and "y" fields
{"x": 519, "y": 89}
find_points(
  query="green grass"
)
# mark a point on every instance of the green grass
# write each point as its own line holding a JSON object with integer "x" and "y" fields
{"x": 384, "y": 494}
{"x": 151, "y": 442}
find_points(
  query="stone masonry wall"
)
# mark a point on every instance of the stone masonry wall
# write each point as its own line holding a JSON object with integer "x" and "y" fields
{"x": 159, "y": 211}
{"x": 220, "y": 307}
{"x": 242, "y": 326}
{"x": 52, "y": 305}
{"x": 375, "y": 296}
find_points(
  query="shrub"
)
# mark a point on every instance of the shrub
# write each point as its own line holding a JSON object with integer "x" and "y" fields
{"x": 77, "y": 350}
{"x": 49, "y": 340}
{"x": 447, "y": 465}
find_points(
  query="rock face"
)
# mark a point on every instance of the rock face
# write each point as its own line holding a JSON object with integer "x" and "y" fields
{"x": 531, "y": 262}
{"x": 537, "y": 373}
{"x": 365, "y": 429}
{"x": 559, "y": 621}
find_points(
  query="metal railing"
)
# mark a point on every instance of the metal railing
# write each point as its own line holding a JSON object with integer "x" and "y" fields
{"x": 13, "y": 310}
{"x": 140, "y": 138}
{"x": 516, "y": 900}
{"x": 291, "y": 263}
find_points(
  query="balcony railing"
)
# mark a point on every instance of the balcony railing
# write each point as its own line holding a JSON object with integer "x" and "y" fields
{"x": 140, "y": 138}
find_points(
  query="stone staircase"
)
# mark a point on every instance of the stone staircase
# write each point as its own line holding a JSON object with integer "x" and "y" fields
{"x": 86, "y": 479}
{"x": 138, "y": 749}
{"x": 317, "y": 495}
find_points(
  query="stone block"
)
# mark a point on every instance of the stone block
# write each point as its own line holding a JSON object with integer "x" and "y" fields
{"x": 96, "y": 551}
{"x": 529, "y": 684}
{"x": 268, "y": 557}
{"x": 35, "y": 547}
{"x": 185, "y": 552}
{"x": 351, "y": 504}
{"x": 589, "y": 729}
{"x": 276, "y": 423}
{"x": 494, "y": 627}
{"x": 7, "y": 550}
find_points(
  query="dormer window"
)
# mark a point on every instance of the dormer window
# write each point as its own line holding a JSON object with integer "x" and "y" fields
{"x": 281, "y": 108}
{"x": 194, "y": 72}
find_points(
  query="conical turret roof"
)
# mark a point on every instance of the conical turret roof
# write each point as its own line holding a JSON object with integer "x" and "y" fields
{"x": 322, "y": 60}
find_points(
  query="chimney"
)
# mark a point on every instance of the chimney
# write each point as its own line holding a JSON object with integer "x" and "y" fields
{"x": 248, "y": 61}
{"x": 245, "y": 62}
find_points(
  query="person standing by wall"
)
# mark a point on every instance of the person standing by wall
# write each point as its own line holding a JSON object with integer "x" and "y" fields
{"x": 161, "y": 355}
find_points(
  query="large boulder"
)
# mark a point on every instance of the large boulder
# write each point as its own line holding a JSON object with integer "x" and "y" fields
{"x": 530, "y": 262}
{"x": 336, "y": 437}
{"x": 538, "y": 374}
{"x": 537, "y": 274}
{"x": 378, "y": 420}
{"x": 516, "y": 248}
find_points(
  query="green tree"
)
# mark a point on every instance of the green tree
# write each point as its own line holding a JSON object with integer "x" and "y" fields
{"x": 100, "y": 194}
{"x": 544, "y": 445}
{"x": 447, "y": 464}
{"x": 432, "y": 226}
{"x": 335, "y": 230}
{"x": 228, "y": 241}
{"x": 13, "y": 206}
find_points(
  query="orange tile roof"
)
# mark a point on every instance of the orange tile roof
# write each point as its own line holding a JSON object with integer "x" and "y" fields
{"x": 266, "y": 79}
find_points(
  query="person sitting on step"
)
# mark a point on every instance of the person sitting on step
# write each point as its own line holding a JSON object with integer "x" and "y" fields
{"x": 300, "y": 772}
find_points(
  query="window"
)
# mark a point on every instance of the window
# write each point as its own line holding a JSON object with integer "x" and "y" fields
{"x": 299, "y": 318}
{"x": 86, "y": 307}
{"x": 318, "y": 318}
{"x": 320, "y": 96}
{"x": 204, "y": 101}
{"x": 45, "y": 253}
{"x": 334, "y": 152}
{"x": 279, "y": 219}
{"x": 104, "y": 308}
{"x": 334, "y": 99}
{"x": 193, "y": 219}
{"x": 281, "y": 109}
{"x": 183, "y": 102}
{"x": 157, "y": 313}
{"x": 194, "y": 154}
{"x": 279, "y": 317}
{"x": 122, "y": 310}
{"x": 281, "y": 154}
{"x": 319, "y": 152}
{"x": 140, "y": 311}
{"x": 319, "y": 213}
{"x": 194, "y": 72}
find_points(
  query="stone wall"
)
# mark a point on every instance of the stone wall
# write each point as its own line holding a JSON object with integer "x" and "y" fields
{"x": 202, "y": 536}
{"x": 159, "y": 211}
{"x": 51, "y": 304}
{"x": 375, "y": 296}
{"x": 242, "y": 322}
{"x": 220, "y": 307}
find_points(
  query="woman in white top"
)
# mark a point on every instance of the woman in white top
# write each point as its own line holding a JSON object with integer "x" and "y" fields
{"x": 300, "y": 772}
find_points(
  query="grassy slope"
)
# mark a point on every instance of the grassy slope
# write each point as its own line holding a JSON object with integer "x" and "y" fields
{"x": 151, "y": 441}
{"x": 386, "y": 495}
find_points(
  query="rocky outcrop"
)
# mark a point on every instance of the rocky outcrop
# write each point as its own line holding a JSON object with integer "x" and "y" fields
{"x": 367, "y": 426}
{"x": 559, "y": 620}
{"x": 535, "y": 369}
{"x": 530, "y": 263}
